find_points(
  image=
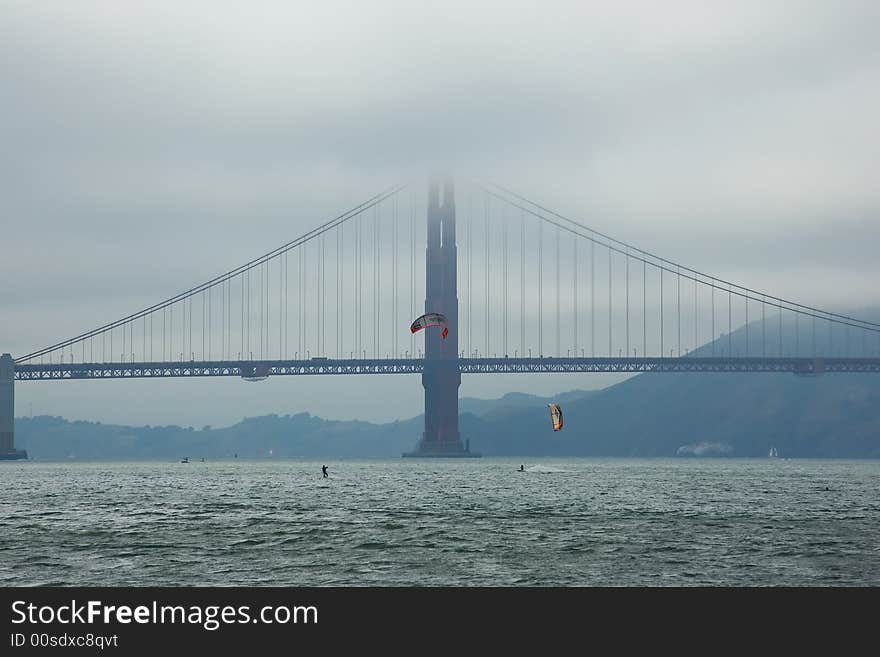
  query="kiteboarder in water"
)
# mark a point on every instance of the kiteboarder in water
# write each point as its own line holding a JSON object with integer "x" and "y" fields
{"x": 324, "y": 470}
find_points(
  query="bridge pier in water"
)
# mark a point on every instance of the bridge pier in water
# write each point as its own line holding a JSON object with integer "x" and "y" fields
{"x": 441, "y": 377}
{"x": 7, "y": 410}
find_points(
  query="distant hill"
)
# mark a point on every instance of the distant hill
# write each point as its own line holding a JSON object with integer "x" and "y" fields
{"x": 833, "y": 415}
{"x": 301, "y": 435}
{"x": 703, "y": 414}
{"x": 483, "y": 407}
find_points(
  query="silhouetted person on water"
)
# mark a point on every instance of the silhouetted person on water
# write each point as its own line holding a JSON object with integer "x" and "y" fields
{"x": 522, "y": 468}
{"x": 324, "y": 470}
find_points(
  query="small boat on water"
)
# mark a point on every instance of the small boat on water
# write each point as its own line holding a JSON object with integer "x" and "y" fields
{"x": 185, "y": 459}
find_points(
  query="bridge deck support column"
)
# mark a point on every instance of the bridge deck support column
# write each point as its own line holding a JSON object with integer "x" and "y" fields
{"x": 7, "y": 410}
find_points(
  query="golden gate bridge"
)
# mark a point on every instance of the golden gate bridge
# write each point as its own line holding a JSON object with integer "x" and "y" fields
{"x": 534, "y": 291}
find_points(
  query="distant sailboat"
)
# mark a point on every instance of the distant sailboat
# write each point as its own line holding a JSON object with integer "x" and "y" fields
{"x": 773, "y": 453}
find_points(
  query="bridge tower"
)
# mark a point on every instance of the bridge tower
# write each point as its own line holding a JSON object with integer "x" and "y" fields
{"x": 441, "y": 377}
{"x": 7, "y": 410}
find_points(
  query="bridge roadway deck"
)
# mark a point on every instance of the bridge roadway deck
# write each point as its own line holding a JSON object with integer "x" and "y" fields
{"x": 259, "y": 369}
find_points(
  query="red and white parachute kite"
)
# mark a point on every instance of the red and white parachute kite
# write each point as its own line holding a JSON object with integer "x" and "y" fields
{"x": 430, "y": 319}
{"x": 555, "y": 416}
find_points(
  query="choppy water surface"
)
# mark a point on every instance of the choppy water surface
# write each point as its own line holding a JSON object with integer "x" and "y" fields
{"x": 441, "y": 522}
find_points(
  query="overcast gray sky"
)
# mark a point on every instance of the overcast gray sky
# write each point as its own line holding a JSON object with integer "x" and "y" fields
{"x": 150, "y": 146}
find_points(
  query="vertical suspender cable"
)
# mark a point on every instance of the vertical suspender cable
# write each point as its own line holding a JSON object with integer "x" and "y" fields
{"x": 748, "y": 351}
{"x": 340, "y": 270}
{"x": 610, "y": 349}
{"x": 644, "y": 309}
{"x": 678, "y": 308}
{"x": 305, "y": 302}
{"x": 696, "y": 319}
{"x": 830, "y": 337}
{"x": 376, "y": 281}
{"x": 729, "y": 324}
{"x": 763, "y": 328}
{"x": 780, "y": 331}
{"x": 486, "y": 271}
{"x": 814, "y": 336}
{"x": 394, "y": 273}
{"x": 626, "y": 283}
{"x": 504, "y": 267}
{"x": 540, "y": 288}
{"x": 558, "y": 291}
{"x": 713, "y": 317}
{"x": 574, "y": 294}
{"x": 662, "y": 342}
{"x": 356, "y": 244}
{"x": 470, "y": 271}
{"x": 412, "y": 269}
{"x": 593, "y": 298}
{"x": 394, "y": 257}
{"x": 522, "y": 283}
{"x": 282, "y": 291}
